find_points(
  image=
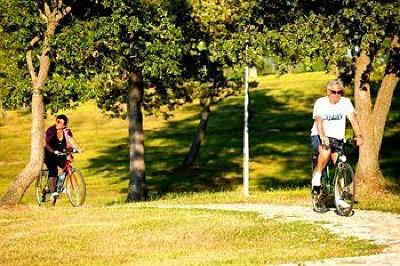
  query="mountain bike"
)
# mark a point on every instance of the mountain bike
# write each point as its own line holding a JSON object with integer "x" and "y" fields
{"x": 337, "y": 184}
{"x": 70, "y": 180}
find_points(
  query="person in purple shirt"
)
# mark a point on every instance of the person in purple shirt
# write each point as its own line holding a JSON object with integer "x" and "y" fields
{"x": 58, "y": 137}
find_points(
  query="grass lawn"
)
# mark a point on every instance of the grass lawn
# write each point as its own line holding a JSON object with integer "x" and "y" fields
{"x": 127, "y": 234}
{"x": 108, "y": 231}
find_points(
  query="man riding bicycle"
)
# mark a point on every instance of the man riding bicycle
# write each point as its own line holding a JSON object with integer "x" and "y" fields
{"x": 329, "y": 127}
{"x": 58, "y": 137}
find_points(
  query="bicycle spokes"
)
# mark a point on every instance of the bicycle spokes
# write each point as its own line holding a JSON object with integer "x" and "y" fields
{"x": 76, "y": 188}
{"x": 344, "y": 190}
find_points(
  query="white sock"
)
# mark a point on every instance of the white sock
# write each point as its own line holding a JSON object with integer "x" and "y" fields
{"x": 316, "y": 179}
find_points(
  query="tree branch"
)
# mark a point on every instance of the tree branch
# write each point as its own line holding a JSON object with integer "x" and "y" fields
{"x": 43, "y": 16}
{"x": 395, "y": 41}
{"x": 386, "y": 90}
{"x": 29, "y": 58}
{"x": 34, "y": 41}
{"x": 47, "y": 11}
{"x": 61, "y": 15}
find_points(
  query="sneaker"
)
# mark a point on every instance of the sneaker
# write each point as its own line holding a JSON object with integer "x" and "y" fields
{"x": 342, "y": 204}
{"x": 54, "y": 195}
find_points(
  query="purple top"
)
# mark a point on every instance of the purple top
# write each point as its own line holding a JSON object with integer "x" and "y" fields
{"x": 53, "y": 141}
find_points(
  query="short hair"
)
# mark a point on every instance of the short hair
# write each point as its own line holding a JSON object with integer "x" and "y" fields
{"x": 63, "y": 117}
{"x": 334, "y": 83}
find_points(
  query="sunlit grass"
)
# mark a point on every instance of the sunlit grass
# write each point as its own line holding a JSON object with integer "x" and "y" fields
{"x": 145, "y": 236}
{"x": 279, "y": 145}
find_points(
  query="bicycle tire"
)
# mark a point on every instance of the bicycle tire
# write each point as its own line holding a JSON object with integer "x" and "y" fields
{"x": 41, "y": 184}
{"x": 76, "y": 193}
{"x": 344, "y": 189}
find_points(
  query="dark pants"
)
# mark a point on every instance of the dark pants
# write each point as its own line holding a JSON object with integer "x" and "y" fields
{"x": 53, "y": 161}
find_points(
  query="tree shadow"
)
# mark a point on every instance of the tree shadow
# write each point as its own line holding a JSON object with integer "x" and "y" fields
{"x": 219, "y": 165}
{"x": 280, "y": 150}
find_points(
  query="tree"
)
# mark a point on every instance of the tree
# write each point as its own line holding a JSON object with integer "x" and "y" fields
{"x": 215, "y": 38}
{"x": 134, "y": 52}
{"x": 355, "y": 37}
{"x": 30, "y": 31}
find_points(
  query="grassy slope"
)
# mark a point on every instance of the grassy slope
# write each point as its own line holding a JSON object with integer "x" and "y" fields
{"x": 279, "y": 147}
{"x": 279, "y": 173}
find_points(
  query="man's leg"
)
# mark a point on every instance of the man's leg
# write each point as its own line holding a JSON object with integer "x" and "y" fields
{"x": 323, "y": 159}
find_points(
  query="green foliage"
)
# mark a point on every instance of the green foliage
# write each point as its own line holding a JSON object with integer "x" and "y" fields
{"x": 333, "y": 31}
{"x": 21, "y": 22}
{"x": 134, "y": 37}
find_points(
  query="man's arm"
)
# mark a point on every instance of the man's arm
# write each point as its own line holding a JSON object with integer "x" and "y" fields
{"x": 356, "y": 128}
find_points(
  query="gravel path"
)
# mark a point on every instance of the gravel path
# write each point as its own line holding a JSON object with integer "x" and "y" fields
{"x": 380, "y": 227}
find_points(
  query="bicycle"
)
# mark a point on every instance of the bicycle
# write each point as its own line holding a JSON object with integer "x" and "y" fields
{"x": 337, "y": 184}
{"x": 69, "y": 180}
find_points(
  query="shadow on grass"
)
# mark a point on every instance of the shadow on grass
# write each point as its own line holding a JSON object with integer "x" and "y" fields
{"x": 219, "y": 165}
{"x": 279, "y": 137}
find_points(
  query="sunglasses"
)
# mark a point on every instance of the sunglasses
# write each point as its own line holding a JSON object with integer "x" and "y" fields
{"x": 59, "y": 121}
{"x": 339, "y": 92}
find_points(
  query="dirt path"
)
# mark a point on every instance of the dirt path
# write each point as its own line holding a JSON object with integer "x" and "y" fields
{"x": 380, "y": 227}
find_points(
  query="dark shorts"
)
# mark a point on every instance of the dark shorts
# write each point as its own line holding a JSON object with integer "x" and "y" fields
{"x": 335, "y": 144}
{"x": 53, "y": 161}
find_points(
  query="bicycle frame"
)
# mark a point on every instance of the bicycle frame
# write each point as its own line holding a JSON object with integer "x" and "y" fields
{"x": 67, "y": 169}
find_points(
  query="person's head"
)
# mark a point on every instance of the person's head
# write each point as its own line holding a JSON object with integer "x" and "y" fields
{"x": 334, "y": 89}
{"x": 61, "y": 121}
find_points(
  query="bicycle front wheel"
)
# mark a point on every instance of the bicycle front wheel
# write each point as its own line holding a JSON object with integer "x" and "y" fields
{"x": 344, "y": 189}
{"x": 41, "y": 187}
{"x": 76, "y": 188}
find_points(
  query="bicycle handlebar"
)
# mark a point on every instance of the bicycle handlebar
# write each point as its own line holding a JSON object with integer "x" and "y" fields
{"x": 66, "y": 152}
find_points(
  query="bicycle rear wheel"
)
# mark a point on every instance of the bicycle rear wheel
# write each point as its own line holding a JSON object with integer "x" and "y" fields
{"x": 76, "y": 188}
{"x": 344, "y": 190}
{"x": 41, "y": 187}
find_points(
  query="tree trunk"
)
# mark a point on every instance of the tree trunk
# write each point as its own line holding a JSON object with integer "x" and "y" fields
{"x": 372, "y": 120}
{"x": 368, "y": 174}
{"x": 201, "y": 132}
{"x": 25, "y": 178}
{"x": 136, "y": 191}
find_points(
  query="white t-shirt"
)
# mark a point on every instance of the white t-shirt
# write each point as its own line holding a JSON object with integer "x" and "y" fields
{"x": 333, "y": 116}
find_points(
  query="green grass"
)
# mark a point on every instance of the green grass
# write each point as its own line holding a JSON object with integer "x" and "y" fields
{"x": 108, "y": 231}
{"x": 145, "y": 236}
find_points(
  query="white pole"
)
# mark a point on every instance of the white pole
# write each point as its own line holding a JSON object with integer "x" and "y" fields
{"x": 246, "y": 134}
